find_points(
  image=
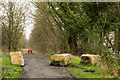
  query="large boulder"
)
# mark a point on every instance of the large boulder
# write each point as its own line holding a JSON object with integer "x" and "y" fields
{"x": 60, "y": 59}
{"x": 89, "y": 59}
{"x": 17, "y": 58}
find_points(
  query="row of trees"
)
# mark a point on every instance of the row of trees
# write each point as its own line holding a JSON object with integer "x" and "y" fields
{"x": 87, "y": 24}
{"x": 78, "y": 28}
{"x": 43, "y": 37}
{"x": 82, "y": 27}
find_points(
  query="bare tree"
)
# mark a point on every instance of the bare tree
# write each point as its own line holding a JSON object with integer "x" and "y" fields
{"x": 44, "y": 37}
{"x": 12, "y": 25}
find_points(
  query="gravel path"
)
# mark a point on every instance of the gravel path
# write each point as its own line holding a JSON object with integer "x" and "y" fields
{"x": 37, "y": 66}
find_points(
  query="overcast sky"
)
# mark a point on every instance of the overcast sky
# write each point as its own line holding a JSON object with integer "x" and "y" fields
{"x": 29, "y": 24}
{"x": 28, "y": 30}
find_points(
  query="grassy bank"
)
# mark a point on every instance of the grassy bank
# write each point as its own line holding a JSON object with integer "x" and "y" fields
{"x": 79, "y": 73}
{"x": 49, "y": 54}
{"x": 9, "y": 70}
{"x": 24, "y": 53}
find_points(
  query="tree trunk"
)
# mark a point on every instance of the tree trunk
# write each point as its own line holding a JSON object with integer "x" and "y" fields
{"x": 73, "y": 44}
{"x": 118, "y": 46}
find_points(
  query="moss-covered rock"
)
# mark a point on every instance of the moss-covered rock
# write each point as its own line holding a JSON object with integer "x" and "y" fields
{"x": 17, "y": 58}
{"x": 89, "y": 59}
{"x": 60, "y": 59}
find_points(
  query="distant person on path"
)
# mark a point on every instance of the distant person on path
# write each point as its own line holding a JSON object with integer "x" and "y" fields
{"x": 28, "y": 50}
{"x": 31, "y": 51}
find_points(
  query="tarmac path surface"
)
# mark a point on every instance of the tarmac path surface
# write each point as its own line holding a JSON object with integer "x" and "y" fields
{"x": 37, "y": 66}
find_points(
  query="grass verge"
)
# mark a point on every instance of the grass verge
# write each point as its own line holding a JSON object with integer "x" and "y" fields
{"x": 49, "y": 54}
{"x": 35, "y": 52}
{"x": 9, "y": 70}
{"x": 78, "y": 73}
{"x": 24, "y": 53}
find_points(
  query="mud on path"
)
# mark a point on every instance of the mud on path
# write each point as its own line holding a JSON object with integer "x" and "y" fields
{"x": 37, "y": 66}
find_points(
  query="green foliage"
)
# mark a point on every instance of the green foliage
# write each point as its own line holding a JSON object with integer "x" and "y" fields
{"x": 86, "y": 22}
{"x": 112, "y": 60}
{"x": 87, "y": 27}
{"x": 10, "y": 70}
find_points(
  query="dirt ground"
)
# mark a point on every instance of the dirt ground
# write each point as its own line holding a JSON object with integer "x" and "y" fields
{"x": 37, "y": 66}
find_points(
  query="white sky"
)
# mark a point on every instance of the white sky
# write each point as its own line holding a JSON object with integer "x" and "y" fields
{"x": 29, "y": 24}
{"x": 28, "y": 30}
